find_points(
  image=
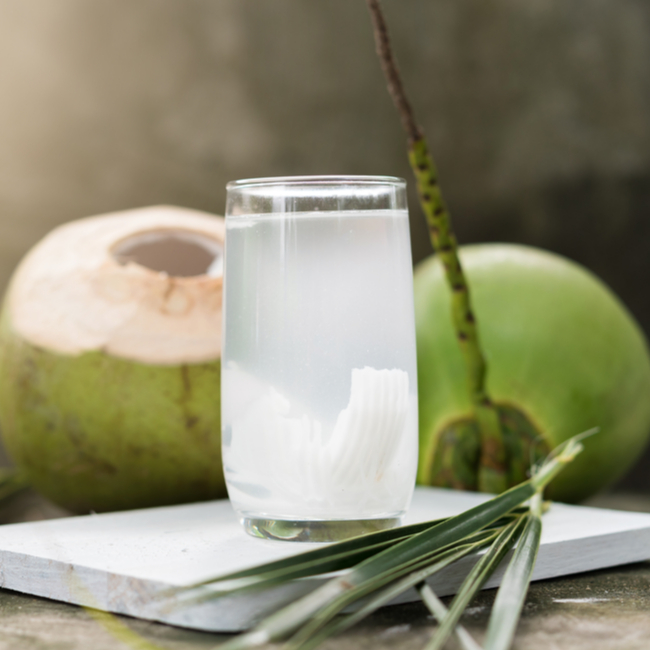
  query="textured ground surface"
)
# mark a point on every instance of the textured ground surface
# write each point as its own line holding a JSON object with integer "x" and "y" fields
{"x": 596, "y": 611}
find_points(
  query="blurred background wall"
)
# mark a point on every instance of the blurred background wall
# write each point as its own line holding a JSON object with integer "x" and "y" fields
{"x": 538, "y": 113}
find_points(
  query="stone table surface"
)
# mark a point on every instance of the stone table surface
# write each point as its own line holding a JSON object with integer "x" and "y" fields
{"x": 596, "y": 611}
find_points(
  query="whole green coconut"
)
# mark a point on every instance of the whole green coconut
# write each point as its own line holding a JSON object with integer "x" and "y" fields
{"x": 110, "y": 341}
{"x": 564, "y": 355}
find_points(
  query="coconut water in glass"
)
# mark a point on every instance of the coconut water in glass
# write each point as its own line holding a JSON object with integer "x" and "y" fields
{"x": 319, "y": 392}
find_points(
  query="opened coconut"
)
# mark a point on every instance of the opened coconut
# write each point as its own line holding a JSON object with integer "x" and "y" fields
{"x": 110, "y": 342}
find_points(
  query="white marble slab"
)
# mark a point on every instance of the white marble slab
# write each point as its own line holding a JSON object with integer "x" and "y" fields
{"x": 118, "y": 562}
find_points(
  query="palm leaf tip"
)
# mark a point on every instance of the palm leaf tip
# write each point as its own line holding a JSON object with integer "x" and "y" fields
{"x": 440, "y": 612}
{"x": 514, "y": 586}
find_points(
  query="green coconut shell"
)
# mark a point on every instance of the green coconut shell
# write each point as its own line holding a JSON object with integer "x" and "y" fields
{"x": 95, "y": 432}
{"x": 561, "y": 348}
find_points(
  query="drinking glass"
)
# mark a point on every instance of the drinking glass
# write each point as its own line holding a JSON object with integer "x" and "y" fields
{"x": 319, "y": 386}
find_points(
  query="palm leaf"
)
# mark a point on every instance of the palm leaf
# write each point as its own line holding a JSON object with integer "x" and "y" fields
{"x": 516, "y": 580}
{"x": 304, "y": 640}
{"x": 390, "y": 583}
{"x": 438, "y": 609}
{"x": 332, "y": 558}
{"x": 477, "y": 577}
{"x": 317, "y": 608}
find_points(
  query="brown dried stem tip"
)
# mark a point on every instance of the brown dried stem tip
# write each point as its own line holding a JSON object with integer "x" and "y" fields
{"x": 492, "y": 466}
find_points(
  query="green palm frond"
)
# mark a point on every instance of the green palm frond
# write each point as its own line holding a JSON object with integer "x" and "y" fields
{"x": 380, "y": 566}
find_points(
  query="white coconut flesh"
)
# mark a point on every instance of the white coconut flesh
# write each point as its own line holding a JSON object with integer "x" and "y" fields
{"x": 143, "y": 285}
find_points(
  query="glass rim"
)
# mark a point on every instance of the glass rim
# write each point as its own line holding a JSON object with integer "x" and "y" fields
{"x": 317, "y": 180}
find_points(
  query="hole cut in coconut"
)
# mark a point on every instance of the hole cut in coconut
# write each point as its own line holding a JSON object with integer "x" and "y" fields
{"x": 178, "y": 253}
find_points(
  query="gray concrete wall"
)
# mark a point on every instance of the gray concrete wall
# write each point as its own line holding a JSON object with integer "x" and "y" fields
{"x": 538, "y": 113}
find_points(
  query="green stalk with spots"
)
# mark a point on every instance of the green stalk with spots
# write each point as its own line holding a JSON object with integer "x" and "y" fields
{"x": 492, "y": 463}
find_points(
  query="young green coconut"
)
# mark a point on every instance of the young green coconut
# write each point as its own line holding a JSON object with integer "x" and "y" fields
{"x": 110, "y": 344}
{"x": 564, "y": 355}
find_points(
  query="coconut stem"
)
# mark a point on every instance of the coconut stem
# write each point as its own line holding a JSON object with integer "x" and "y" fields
{"x": 492, "y": 465}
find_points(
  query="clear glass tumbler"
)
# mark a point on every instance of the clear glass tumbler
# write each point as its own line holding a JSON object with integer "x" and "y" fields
{"x": 319, "y": 386}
